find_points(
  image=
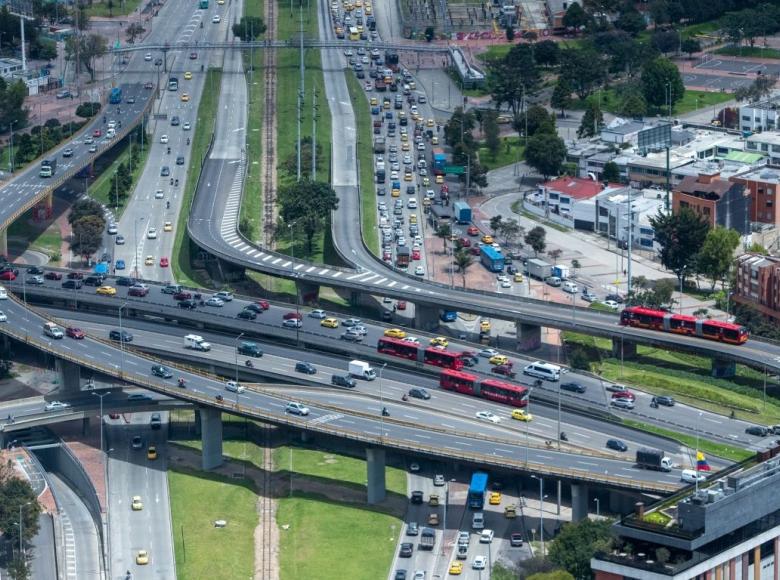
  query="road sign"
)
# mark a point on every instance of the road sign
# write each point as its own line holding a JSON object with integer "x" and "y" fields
{"x": 454, "y": 170}
{"x": 659, "y": 137}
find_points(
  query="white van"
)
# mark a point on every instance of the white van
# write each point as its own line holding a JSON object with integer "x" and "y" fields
{"x": 691, "y": 475}
{"x": 478, "y": 520}
{"x": 569, "y": 287}
{"x": 541, "y": 370}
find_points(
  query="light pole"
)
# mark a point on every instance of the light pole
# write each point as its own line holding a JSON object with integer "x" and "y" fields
{"x": 527, "y": 410}
{"x": 237, "y": 339}
{"x": 598, "y": 507}
{"x": 559, "y": 412}
{"x": 541, "y": 510}
{"x": 381, "y": 403}
{"x": 122, "y": 339}
{"x": 21, "y": 528}
{"x": 696, "y": 459}
{"x": 101, "y": 395}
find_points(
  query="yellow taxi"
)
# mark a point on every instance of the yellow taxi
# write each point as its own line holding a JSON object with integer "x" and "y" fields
{"x": 408, "y": 176}
{"x": 429, "y": 122}
{"x": 413, "y": 218}
{"x": 395, "y": 333}
{"x": 439, "y": 178}
{"x": 167, "y": 227}
{"x": 106, "y": 291}
{"x": 374, "y": 101}
{"x": 386, "y": 104}
{"x": 495, "y": 498}
{"x": 188, "y": 76}
{"x": 518, "y": 277}
{"x": 405, "y": 146}
{"x": 484, "y": 326}
{"x": 329, "y": 323}
{"x": 412, "y": 85}
{"x": 427, "y": 202}
{"x": 426, "y": 181}
{"x": 395, "y": 192}
{"x": 439, "y": 341}
{"x": 368, "y": 10}
{"x": 498, "y": 359}
{"x": 184, "y": 97}
{"x": 360, "y": 29}
{"x": 220, "y": 2}
{"x": 434, "y": 140}
{"x": 487, "y": 239}
{"x": 521, "y": 415}
{"x": 151, "y": 453}
{"x": 456, "y": 568}
{"x": 404, "y": 137}
{"x": 136, "y": 503}
{"x": 142, "y": 558}
{"x": 149, "y": 261}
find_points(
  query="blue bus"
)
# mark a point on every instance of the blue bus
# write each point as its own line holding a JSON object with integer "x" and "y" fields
{"x": 491, "y": 258}
{"x": 477, "y": 490}
{"x": 115, "y": 97}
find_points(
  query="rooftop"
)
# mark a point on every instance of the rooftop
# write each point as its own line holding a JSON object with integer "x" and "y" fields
{"x": 762, "y": 174}
{"x": 657, "y": 160}
{"x": 766, "y": 137}
{"x": 574, "y": 187}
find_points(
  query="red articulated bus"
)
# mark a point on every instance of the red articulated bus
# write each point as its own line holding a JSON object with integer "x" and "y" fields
{"x": 492, "y": 389}
{"x": 641, "y": 317}
{"x": 412, "y": 351}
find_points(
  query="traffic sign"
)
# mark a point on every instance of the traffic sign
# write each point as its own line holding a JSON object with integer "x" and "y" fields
{"x": 454, "y": 170}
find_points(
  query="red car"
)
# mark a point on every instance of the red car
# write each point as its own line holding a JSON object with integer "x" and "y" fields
{"x": 464, "y": 242}
{"x": 474, "y": 250}
{"x": 138, "y": 291}
{"x": 53, "y": 276}
{"x": 182, "y": 296}
{"x": 293, "y": 316}
{"x": 97, "y": 133}
{"x": 505, "y": 370}
{"x": 7, "y": 275}
{"x": 415, "y": 254}
{"x": 163, "y": 262}
{"x": 264, "y": 304}
{"x": 386, "y": 256}
{"x": 193, "y": 55}
{"x": 74, "y": 332}
{"x": 75, "y": 276}
{"x": 472, "y": 231}
{"x": 624, "y": 395}
{"x": 401, "y": 305}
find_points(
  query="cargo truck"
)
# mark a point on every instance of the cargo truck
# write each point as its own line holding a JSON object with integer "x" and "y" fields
{"x": 561, "y": 271}
{"x": 462, "y": 212}
{"x": 653, "y": 459}
{"x": 427, "y": 539}
{"x": 539, "y": 269}
{"x": 196, "y": 342}
{"x": 379, "y": 145}
{"x": 491, "y": 258}
{"x": 48, "y": 167}
{"x": 361, "y": 370}
{"x": 402, "y": 256}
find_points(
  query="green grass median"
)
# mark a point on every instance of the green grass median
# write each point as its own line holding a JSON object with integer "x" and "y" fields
{"x": 103, "y": 188}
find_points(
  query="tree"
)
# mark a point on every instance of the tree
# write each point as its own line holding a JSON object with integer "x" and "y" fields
{"x": 463, "y": 260}
{"x": 717, "y": 254}
{"x": 510, "y": 230}
{"x": 19, "y": 568}
{"x": 536, "y": 238}
{"x": 537, "y": 119}
{"x": 84, "y": 207}
{"x": 514, "y": 77}
{"x": 308, "y": 204}
{"x": 760, "y": 88}
{"x": 555, "y": 254}
{"x": 665, "y": 40}
{"x": 133, "y": 31}
{"x": 547, "y": 53}
{"x": 88, "y": 47}
{"x": 87, "y": 235}
{"x": 575, "y": 17}
{"x": 495, "y": 224}
{"x": 249, "y": 28}
{"x": 656, "y": 75}
{"x": 459, "y": 128}
{"x": 690, "y": 46}
{"x": 681, "y": 236}
{"x": 545, "y": 153}
{"x": 592, "y": 120}
{"x": 492, "y": 132}
{"x": 15, "y": 493}
{"x": 611, "y": 172}
{"x": 659, "y": 12}
{"x": 633, "y": 104}
{"x": 576, "y": 544}
{"x": 583, "y": 68}
{"x": 444, "y": 231}
{"x": 631, "y": 21}
{"x": 575, "y": 265}
{"x": 561, "y": 96}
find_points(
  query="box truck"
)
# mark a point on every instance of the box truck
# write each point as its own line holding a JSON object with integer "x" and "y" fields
{"x": 539, "y": 269}
{"x": 361, "y": 370}
{"x": 462, "y": 212}
{"x": 653, "y": 459}
{"x": 196, "y": 342}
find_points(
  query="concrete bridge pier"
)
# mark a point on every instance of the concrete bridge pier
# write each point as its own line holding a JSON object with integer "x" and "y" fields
{"x": 4, "y": 242}
{"x": 579, "y": 502}
{"x": 211, "y": 437}
{"x": 69, "y": 376}
{"x": 623, "y": 349}
{"x": 426, "y": 317}
{"x": 529, "y": 336}
{"x": 723, "y": 369}
{"x": 621, "y": 503}
{"x": 308, "y": 293}
{"x": 375, "y": 464}
{"x": 224, "y": 271}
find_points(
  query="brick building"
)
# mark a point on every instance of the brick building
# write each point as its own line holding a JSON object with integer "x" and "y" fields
{"x": 758, "y": 283}
{"x": 763, "y": 186}
{"x": 719, "y": 201}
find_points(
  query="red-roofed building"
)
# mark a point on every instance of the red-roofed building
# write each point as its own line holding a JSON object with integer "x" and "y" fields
{"x": 572, "y": 188}
{"x": 569, "y": 201}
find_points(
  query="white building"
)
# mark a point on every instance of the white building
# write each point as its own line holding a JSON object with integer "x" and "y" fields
{"x": 612, "y": 208}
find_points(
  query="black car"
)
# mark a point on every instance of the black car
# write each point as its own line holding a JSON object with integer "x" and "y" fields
{"x": 617, "y": 445}
{"x": 137, "y": 442}
{"x": 419, "y": 393}
{"x": 417, "y": 497}
{"x": 406, "y": 550}
{"x": 124, "y": 336}
{"x": 412, "y": 529}
{"x": 254, "y": 308}
{"x": 35, "y": 270}
{"x": 180, "y": 160}
{"x": 664, "y": 400}
{"x": 573, "y": 387}
{"x": 93, "y": 280}
{"x": 511, "y": 270}
{"x": 188, "y": 304}
{"x": 174, "y": 121}
{"x": 305, "y": 368}
{"x": 247, "y": 314}
{"x": 757, "y": 430}
{"x": 161, "y": 371}
{"x": 72, "y": 284}
{"x": 381, "y": 191}
{"x": 400, "y": 575}
{"x": 125, "y": 281}
{"x": 615, "y": 297}
{"x": 343, "y": 381}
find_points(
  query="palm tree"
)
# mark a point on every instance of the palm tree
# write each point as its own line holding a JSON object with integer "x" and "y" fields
{"x": 444, "y": 231}
{"x": 463, "y": 259}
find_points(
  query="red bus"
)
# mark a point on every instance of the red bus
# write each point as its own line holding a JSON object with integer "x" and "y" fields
{"x": 443, "y": 358}
{"x": 398, "y": 347}
{"x": 660, "y": 320}
{"x": 492, "y": 389}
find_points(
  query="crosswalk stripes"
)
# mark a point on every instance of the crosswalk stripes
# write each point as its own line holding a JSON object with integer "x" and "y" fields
{"x": 326, "y": 418}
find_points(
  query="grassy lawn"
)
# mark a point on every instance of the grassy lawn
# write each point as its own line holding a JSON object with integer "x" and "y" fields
{"x": 322, "y": 463}
{"x": 331, "y": 541}
{"x": 102, "y": 188}
{"x": 707, "y": 447}
{"x": 510, "y": 152}
{"x": 118, "y": 8}
{"x": 610, "y": 100}
{"x": 207, "y": 113}
{"x": 43, "y": 237}
{"x": 754, "y": 51}
{"x": 365, "y": 160}
{"x": 203, "y": 551}
{"x": 687, "y": 378}
{"x": 517, "y": 207}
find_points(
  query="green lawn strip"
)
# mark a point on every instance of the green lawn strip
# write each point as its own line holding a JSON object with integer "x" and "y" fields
{"x": 102, "y": 189}
{"x": 42, "y": 236}
{"x": 202, "y": 550}
{"x": 611, "y": 98}
{"x": 601, "y": 307}
{"x": 510, "y": 152}
{"x": 207, "y": 114}
{"x": 686, "y": 377}
{"x": 751, "y": 51}
{"x": 323, "y": 539}
{"x": 707, "y": 447}
{"x": 118, "y": 8}
{"x": 364, "y": 146}
{"x": 517, "y": 207}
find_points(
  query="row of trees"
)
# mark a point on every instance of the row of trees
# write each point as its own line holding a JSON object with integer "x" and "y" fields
{"x": 17, "y": 497}
{"x": 87, "y": 224}
{"x": 459, "y": 134}
{"x": 41, "y": 138}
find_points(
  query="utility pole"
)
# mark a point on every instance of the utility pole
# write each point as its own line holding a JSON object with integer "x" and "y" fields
{"x": 314, "y": 134}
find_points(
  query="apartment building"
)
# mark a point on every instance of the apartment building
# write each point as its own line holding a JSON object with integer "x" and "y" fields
{"x": 758, "y": 283}
{"x": 719, "y": 201}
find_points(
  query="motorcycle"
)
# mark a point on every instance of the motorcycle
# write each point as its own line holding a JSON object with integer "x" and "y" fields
{"x": 385, "y": 412}
{"x": 404, "y": 397}
{"x": 167, "y": 205}
{"x": 188, "y": 140}
{"x": 201, "y": 24}
{"x": 175, "y": 182}
{"x": 563, "y": 436}
{"x": 171, "y": 180}
{"x": 182, "y": 382}
{"x": 169, "y": 150}
{"x": 220, "y": 398}
{"x": 250, "y": 364}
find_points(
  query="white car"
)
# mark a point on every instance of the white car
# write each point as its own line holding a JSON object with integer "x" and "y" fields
{"x": 412, "y": 204}
{"x": 488, "y": 416}
{"x": 112, "y": 229}
{"x": 214, "y": 301}
{"x": 488, "y": 352}
{"x": 224, "y": 296}
{"x": 164, "y": 139}
{"x": 692, "y": 476}
{"x": 56, "y": 406}
{"x": 159, "y": 194}
{"x": 479, "y": 563}
{"x": 3, "y": 317}
{"x": 348, "y": 52}
{"x": 148, "y": 56}
{"x": 318, "y": 314}
{"x": 622, "y": 403}
{"x": 419, "y": 271}
{"x": 407, "y": 159}
{"x": 152, "y": 234}
{"x": 412, "y": 339}
{"x": 234, "y": 387}
{"x": 486, "y": 537}
{"x": 3, "y": 293}
{"x": 463, "y": 538}
{"x": 358, "y": 329}
{"x": 216, "y": 19}
{"x": 296, "y": 409}
{"x": 611, "y": 304}
{"x": 186, "y": 126}
{"x": 506, "y": 284}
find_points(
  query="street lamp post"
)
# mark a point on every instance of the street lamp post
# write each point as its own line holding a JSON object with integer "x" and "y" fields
{"x": 559, "y": 415}
{"x": 237, "y": 339}
{"x": 122, "y": 339}
{"x": 21, "y": 528}
{"x": 541, "y": 510}
{"x": 11, "y": 150}
{"x": 696, "y": 459}
{"x": 100, "y": 396}
{"x": 381, "y": 403}
{"x": 598, "y": 507}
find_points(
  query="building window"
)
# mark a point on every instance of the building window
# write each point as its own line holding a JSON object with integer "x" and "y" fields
{"x": 770, "y": 191}
{"x": 770, "y": 203}
{"x": 684, "y": 204}
{"x": 746, "y": 117}
{"x": 705, "y": 211}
